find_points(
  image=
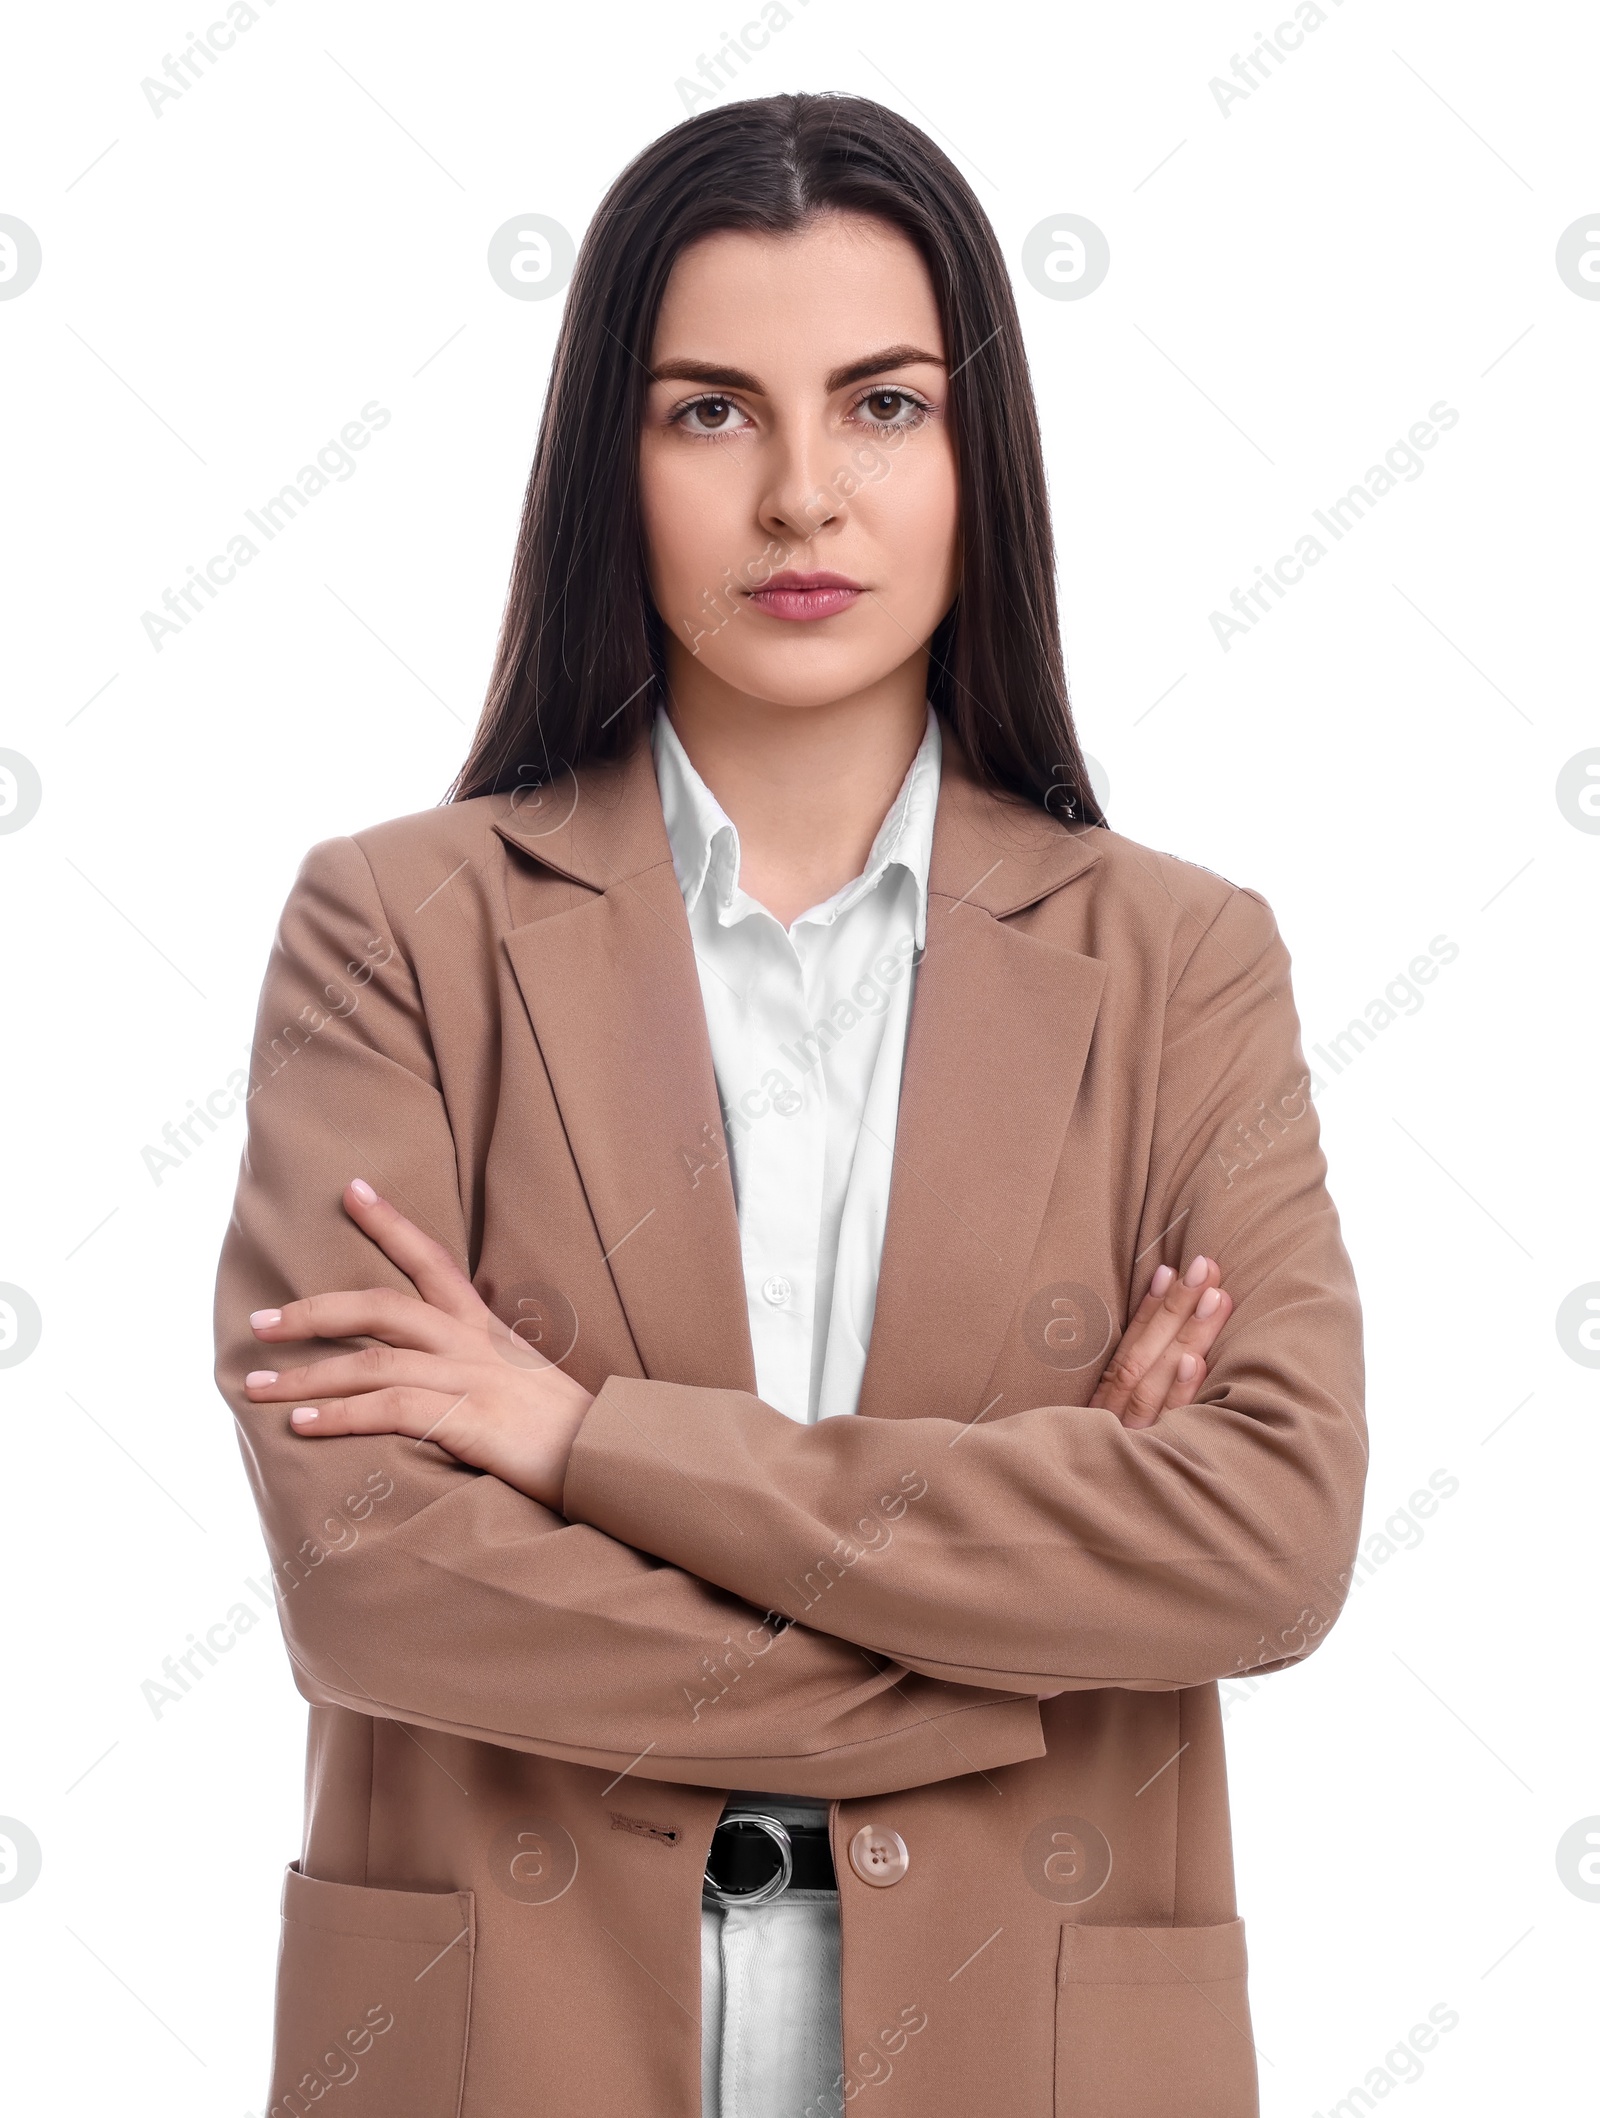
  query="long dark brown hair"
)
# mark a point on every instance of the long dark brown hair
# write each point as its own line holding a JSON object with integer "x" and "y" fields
{"x": 579, "y": 665}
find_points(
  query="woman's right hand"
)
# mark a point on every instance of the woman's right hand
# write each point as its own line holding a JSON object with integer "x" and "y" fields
{"x": 1161, "y": 1361}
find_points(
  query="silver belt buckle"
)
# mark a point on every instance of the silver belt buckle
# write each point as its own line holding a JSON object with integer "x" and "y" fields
{"x": 775, "y": 1885}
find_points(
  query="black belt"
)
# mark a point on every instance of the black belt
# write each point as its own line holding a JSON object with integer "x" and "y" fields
{"x": 755, "y": 1857}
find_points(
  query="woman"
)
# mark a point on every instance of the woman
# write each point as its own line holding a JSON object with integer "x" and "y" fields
{"x": 766, "y": 1157}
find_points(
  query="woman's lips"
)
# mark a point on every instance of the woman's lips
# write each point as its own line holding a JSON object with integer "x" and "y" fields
{"x": 800, "y": 596}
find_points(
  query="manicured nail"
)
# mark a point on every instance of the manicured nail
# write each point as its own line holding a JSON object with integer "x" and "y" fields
{"x": 363, "y": 1190}
{"x": 1186, "y": 1368}
{"x": 1162, "y": 1279}
{"x": 303, "y": 1415}
{"x": 1209, "y": 1303}
{"x": 258, "y": 1378}
{"x": 261, "y": 1318}
{"x": 1196, "y": 1274}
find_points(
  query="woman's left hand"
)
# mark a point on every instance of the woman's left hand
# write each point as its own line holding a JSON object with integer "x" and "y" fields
{"x": 1161, "y": 1361}
{"x": 447, "y": 1370}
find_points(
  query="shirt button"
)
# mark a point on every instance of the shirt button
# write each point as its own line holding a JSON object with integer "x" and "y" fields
{"x": 879, "y": 1857}
{"x": 777, "y": 1290}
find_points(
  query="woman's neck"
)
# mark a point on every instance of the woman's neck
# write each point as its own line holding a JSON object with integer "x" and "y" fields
{"x": 806, "y": 786}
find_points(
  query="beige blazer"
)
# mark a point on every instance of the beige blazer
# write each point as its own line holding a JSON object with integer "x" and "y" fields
{"x": 523, "y": 1725}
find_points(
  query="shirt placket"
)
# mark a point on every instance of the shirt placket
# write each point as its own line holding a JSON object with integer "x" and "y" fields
{"x": 779, "y": 1154}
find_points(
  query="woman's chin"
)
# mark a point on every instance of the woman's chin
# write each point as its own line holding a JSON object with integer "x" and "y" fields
{"x": 808, "y": 675}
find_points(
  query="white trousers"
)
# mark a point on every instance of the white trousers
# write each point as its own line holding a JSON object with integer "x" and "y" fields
{"x": 771, "y": 2045}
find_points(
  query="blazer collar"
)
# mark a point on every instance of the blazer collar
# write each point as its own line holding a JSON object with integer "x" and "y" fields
{"x": 605, "y": 825}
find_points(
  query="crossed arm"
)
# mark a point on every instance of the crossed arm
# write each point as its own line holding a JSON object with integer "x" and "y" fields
{"x": 535, "y": 1577}
{"x": 444, "y": 1368}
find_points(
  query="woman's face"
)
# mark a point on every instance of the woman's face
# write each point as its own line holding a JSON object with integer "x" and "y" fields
{"x": 797, "y": 469}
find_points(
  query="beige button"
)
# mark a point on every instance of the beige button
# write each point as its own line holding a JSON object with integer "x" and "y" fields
{"x": 879, "y": 1857}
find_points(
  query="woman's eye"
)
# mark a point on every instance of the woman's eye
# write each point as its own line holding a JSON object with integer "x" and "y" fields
{"x": 710, "y": 415}
{"x": 892, "y": 408}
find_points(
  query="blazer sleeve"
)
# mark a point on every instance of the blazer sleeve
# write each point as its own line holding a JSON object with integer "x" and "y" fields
{"x": 412, "y": 1587}
{"x": 1056, "y": 1548}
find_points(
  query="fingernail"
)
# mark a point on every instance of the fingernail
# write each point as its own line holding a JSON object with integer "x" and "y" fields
{"x": 1186, "y": 1367}
{"x": 260, "y": 1318}
{"x": 303, "y": 1415}
{"x": 1208, "y": 1305}
{"x": 259, "y": 1377}
{"x": 363, "y": 1190}
{"x": 1162, "y": 1279}
{"x": 1195, "y": 1276}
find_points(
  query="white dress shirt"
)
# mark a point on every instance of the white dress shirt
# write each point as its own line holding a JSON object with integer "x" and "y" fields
{"x": 807, "y": 1027}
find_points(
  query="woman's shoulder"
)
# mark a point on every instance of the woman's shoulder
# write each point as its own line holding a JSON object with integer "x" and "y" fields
{"x": 1160, "y": 922}
{"x": 399, "y": 876}
{"x": 410, "y": 843}
{"x": 1214, "y": 943}
{"x": 1161, "y": 890}
{"x": 400, "y": 852}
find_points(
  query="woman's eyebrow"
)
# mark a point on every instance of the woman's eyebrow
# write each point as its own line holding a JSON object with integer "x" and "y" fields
{"x": 715, "y": 376}
{"x": 879, "y": 363}
{"x": 706, "y": 371}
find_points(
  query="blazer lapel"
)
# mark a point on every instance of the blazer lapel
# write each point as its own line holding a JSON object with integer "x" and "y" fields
{"x": 613, "y": 995}
{"x": 1001, "y": 1022}
{"x": 1000, "y": 1029}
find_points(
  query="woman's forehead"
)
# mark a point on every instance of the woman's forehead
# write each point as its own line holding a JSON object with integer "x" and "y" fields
{"x": 819, "y": 296}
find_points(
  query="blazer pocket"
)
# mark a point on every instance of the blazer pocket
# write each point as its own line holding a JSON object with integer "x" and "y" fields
{"x": 1152, "y": 2021}
{"x": 374, "y": 1998}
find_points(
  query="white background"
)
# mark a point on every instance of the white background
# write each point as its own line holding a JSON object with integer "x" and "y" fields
{"x": 1293, "y": 284}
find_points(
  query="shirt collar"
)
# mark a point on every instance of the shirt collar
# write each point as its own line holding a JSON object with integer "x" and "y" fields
{"x": 705, "y": 841}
